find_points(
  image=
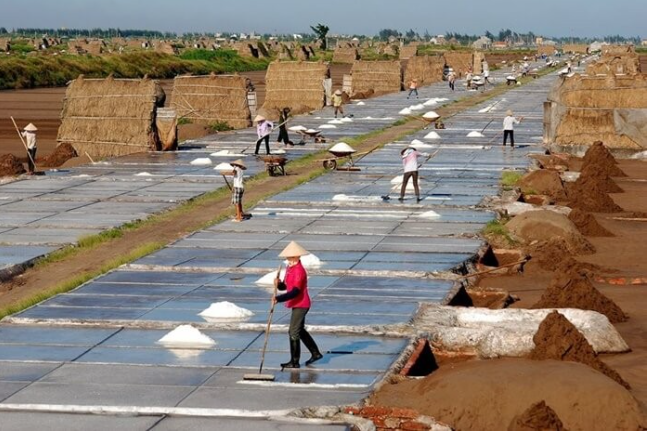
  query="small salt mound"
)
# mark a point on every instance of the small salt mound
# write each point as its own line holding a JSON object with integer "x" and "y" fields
{"x": 312, "y": 131}
{"x": 201, "y": 161}
{"x": 511, "y": 77}
{"x": 186, "y": 336}
{"x": 143, "y": 174}
{"x": 297, "y": 128}
{"x": 346, "y": 120}
{"x": 360, "y": 103}
{"x": 225, "y": 310}
{"x": 417, "y": 142}
{"x": 432, "y": 135}
{"x": 429, "y": 215}
{"x": 335, "y": 121}
{"x": 430, "y": 102}
{"x": 442, "y": 99}
{"x": 417, "y": 107}
{"x": 405, "y": 111}
{"x": 268, "y": 279}
{"x": 327, "y": 126}
{"x": 223, "y": 167}
{"x": 431, "y": 115}
{"x": 342, "y": 147}
{"x": 279, "y": 151}
{"x": 475, "y": 134}
{"x": 420, "y": 145}
{"x": 310, "y": 261}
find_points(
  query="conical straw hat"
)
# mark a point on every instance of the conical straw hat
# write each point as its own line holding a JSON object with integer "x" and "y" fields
{"x": 259, "y": 118}
{"x": 31, "y": 128}
{"x": 338, "y": 92}
{"x": 508, "y": 112}
{"x": 293, "y": 250}
{"x": 239, "y": 162}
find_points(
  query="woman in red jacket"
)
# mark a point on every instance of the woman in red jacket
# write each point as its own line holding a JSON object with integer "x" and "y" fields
{"x": 297, "y": 299}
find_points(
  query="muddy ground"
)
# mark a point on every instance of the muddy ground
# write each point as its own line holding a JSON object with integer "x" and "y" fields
{"x": 43, "y": 108}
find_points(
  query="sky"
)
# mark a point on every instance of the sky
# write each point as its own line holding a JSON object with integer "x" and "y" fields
{"x": 543, "y": 17}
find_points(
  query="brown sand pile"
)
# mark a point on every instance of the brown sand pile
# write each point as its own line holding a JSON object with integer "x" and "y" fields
{"x": 59, "y": 156}
{"x": 590, "y": 195}
{"x": 556, "y": 255}
{"x": 588, "y": 225}
{"x": 598, "y": 155}
{"x": 544, "y": 182}
{"x": 10, "y": 165}
{"x": 488, "y": 394}
{"x": 558, "y": 339}
{"x": 552, "y": 162}
{"x": 571, "y": 290}
{"x": 594, "y": 173}
{"x": 539, "y": 417}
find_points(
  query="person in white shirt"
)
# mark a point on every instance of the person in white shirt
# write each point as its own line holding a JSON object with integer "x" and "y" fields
{"x": 29, "y": 133}
{"x": 410, "y": 164}
{"x": 508, "y": 127}
{"x": 238, "y": 188}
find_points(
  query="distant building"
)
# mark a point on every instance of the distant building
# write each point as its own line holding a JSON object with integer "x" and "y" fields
{"x": 499, "y": 45}
{"x": 482, "y": 43}
{"x": 539, "y": 41}
{"x": 597, "y": 46}
{"x": 643, "y": 42}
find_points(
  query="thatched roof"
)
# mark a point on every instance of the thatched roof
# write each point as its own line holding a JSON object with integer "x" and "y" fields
{"x": 110, "y": 117}
{"x": 380, "y": 76}
{"x": 298, "y": 85}
{"x": 425, "y": 69}
{"x": 212, "y": 98}
{"x": 345, "y": 55}
{"x": 408, "y": 51}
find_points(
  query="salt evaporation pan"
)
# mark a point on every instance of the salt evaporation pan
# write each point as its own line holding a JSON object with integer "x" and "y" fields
{"x": 410, "y": 187}
{"x": 143, "y": 174}
{"x": 360, "y": 103}
{"x": 431, "y": 115}
{"x": 355, "y": 198}
{"x": 268, "y": 279}
{"x": 224, "y": 167}
{"x": 297, "y": 128}
{"x": 475, "y": 134}
{"x": 201, "y": 161}
{"x": 417, "y": 107}
{"x": 327, "y": 126}
{"x": 342, "y": 147}
{"x": 397, "y": 180}
{"x": 429, "y": 215}
{"x": 335, "y": 121}
{"x": 186, "y": 336}
{"x": 442, "y": 99}
{"x": 226, "y": 309}
{"x": 405, "y": 111}
{"x": 432, "y": 135}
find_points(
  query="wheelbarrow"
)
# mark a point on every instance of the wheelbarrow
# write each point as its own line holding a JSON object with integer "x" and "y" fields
{"x": 311, "y": 133}
{"x": 274, "y": 164}
{"x": 331, "y": 163}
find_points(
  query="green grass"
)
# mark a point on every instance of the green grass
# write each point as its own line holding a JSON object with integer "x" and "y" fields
{"x": 509, "y": 179}
{"x": 78, "y": 280}
{"x": 497, "y": 228}
{"x": 220, "y": 126}
{"x": 184, "y": 121}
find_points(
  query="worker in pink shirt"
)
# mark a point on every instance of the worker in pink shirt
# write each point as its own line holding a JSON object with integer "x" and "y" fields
{"x": 263, "y": 130}
{"x": 410, "y": 164}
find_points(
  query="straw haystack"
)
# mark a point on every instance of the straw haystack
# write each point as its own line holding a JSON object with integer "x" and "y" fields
{"x": 461, "y": 62}
{"x": 426, "y": 69}
{"x": 576, "y": 48}
{"x": 5, "y": 44}
{"x": 165, "y": 48}
{"x": 212, "y": 98}
{"x": 298, "y": 85}
{"x": 110, "y": 117}
{"x": 408, "y": 51}
{"x": 549, "y": 50}
{"x": 345, "y": 55}
{"x": 382, "y": 77}
{"x": 581, "y": 110}
{"x": 616, "y": 60}
{"x": 477, "y": 62}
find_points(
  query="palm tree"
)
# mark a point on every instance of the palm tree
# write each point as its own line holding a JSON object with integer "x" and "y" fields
{"x": 321, "y": 31}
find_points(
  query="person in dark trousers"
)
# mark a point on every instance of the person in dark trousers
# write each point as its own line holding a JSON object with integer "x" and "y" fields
{"x": 238, "y": 189}
{"x": 338, "y": 103}
{"x": 508, "y": 127}
{"x": 29, "y": 133}
{"x": 284, "y": 116}
{"x": 413, "y": 88}
{"x": 410, "y": 163}
{"x": 451, "y": 79}
{"x": 263, "y": 130}
{"x": 296, "y": 298}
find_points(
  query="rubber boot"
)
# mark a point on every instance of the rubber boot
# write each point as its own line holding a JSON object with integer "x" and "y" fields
{"x": 310, "y": 343}
{"x": 295, "y": 353}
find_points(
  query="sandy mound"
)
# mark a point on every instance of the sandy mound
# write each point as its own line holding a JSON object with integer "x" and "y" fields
{"x": 599, "y": 156}
{"x": 569, "y": 290}
{"x": 594, "y": 174}
{"x": 552, "y": 162}
{"x": 543, "y": 225}
{"x": 487, "y": 395}
{"x": 591, "y": 195}
{"x": 10, "y": 165}
{"x": 588, "y": 225}
{"x": 544, "y": 182}
{"x": 555, "y": 254}
{"x": 59, "y": 156}
{"x": 558, "y": 339}
{"x": 539, "y": 417}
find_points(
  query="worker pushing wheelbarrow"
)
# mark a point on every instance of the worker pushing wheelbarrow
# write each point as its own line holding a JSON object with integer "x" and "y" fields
{"x": 342, "y": 151}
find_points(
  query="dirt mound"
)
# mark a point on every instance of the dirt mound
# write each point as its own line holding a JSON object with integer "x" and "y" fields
{"x": 543, "y": 225}
{"x": 590, "y": 195}
{"x": 599, "y": 156}
{"x": 10, "y": 165}
{"x": 539, "y": 417}
{"x": 59, "y": 156}
{"x": 576, "y": 291}
{"x": 588, "y": 225}
{"x": 363, "y": 94}
{"x": 544, "y": 182}
{"x": 499, "y": 390}
{"x": 558, "y": 339}
{"x": 595, "y": 174}
{"x": 552, "y": 162}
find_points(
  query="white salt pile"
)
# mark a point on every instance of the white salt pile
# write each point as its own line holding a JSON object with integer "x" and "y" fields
{"x": 417, "y": 107}
{"x": 405, "y": 111}
{"x": 201, "y": 161}
{"x": 368, "y": 118}
{"x": 143, "y": 174}
{"x": 431, "y": 115}
{"x": 224, "y": 167}
{"x": 360, "y": 103}
{"x": 312, "y": 131}
{"x": 475, "y": 134}
{"x": 310, "y": 261}
{"x": 227, "y": 153}
{"x": 342, "y": 147}
{"x": 511, "y": 77}
{"x": 430, "y": 102}
{"x": 335, "y": 121}
{"x": 346, "y": 120}
{"x": 297, "y": 128}
{"x": 417, "y": 142}
{"x": 327, "y": 126}
{"x": 429, "y": 215}
{"x": 225, "y": 309}
{"x": 186, "y": 336}
{"x": 432, "y": 135}
{"x": 278, "y": 151}
{"x": 268, "y": 279}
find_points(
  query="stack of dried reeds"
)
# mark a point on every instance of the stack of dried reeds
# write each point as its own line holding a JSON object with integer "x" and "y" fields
{"x": 165, "y": 48}
{"x": 459, "y": 61}
{"x": 408, "y": 51}
{"x": 345, "y": 55}
{"x": 298, "y": 85}
{"x": 549, "y": 50}
{"x": 425, "y": 69}
{"x": 212, "y": 98}
{"x": 109, "y": 117}
{"x": 380, "y": 76}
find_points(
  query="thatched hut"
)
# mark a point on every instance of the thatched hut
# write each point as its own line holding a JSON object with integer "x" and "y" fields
{"x": 379, "y": 76}
{"x": 461, "y": 62}
{"x": 5, "y": 44}
{"x": 425, "y": 69}
{"x": 345, "y": 55}
{"x": 548, "y": 50}
{"x": 211, "y": 99}
{"x": 110, "y": 117}
{"x": 165, "y": 48}
{"x": 298, "y": 85}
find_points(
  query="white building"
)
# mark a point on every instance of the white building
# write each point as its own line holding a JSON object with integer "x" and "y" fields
{"x": 482, "y": 43}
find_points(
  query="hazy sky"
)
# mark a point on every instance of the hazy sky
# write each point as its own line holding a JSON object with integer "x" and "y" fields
{"x": 547, "y": 17}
